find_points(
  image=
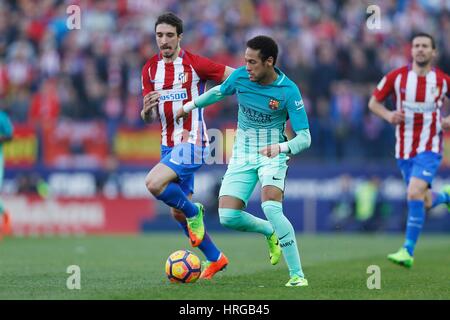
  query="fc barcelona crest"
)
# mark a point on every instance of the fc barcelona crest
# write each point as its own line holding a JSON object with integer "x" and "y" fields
{"x": 274, "y": 104}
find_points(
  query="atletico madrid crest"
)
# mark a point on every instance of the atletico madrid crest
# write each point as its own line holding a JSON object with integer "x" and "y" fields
{"x": 273, "y": 104}
{"x": 183, "y": 77}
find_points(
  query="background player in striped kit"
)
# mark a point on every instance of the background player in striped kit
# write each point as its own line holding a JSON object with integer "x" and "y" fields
{"x": 170, "y": 79}
{"x": 419, "y": 91}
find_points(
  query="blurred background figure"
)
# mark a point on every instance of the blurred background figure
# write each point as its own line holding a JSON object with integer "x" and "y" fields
{"x": 371, "y": 210}
{"x": 344, "y": 208}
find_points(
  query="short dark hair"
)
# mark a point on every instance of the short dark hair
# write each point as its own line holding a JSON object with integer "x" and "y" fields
{"x": 266, "y": 45}
{"x": 171, "y": 19}
{"x": 426, "y": 35}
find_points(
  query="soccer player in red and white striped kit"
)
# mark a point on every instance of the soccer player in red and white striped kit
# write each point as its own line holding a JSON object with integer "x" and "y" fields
{"x": 170, "y": 79}
{"x": 419, "y": 90}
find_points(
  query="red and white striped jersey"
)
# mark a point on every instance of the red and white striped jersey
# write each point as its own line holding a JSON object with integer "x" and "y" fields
{"x": 177, "y": 83}
{"x": 421, "y": 99}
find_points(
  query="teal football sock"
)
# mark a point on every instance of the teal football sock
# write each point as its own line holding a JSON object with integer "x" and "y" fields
{"x": 244, "y": 221}
{"x": 286, "y": 235}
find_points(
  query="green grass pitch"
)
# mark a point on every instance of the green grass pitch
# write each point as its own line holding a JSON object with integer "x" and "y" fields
{"x": 132, "y": 267}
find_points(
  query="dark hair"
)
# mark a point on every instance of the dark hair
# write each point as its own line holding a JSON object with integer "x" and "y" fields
{"x": 171, "y": 19}
{"x": 426, "y": 35}
{"x": 266, "y": 45}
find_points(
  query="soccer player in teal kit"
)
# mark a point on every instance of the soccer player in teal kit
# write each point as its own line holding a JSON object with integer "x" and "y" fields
{"x": 267, "y": 99}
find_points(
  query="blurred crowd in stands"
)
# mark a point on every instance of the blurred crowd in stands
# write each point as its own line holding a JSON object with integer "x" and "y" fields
{"x": 49, "y": 73}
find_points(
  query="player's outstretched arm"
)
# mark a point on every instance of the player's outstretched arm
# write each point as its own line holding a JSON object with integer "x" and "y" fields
{"x": 209, "y": 97}
{"x": 294, "y": 146}
{"x": 393, "y": 117}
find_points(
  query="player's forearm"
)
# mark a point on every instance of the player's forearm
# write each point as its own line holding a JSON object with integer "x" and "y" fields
{"x": 211, "y": 96}
{"x": 379, "y": 109}
{"x": 296, "y": 145}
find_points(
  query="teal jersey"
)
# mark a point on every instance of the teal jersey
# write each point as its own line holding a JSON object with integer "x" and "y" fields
{"x": 265, "y": 109}
{"x": 6, "y": 128}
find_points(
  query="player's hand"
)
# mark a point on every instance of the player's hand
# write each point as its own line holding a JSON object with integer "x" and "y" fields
{"x": 445, "y": 123}
{"x": 270, "y": 151}
{"x": 181, "y": 114}
{"x": 151, "y": 101}
{"x": 396, "y": 117}
{"x": 150, "y": 115}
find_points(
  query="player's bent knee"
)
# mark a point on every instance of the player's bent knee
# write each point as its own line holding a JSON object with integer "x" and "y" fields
{"x": 415, "y": 194}
{"x": 153, "y": 185}
{"x": 229, "y": 202}
{"x": 230, "y": 218}
{"x": 271, "y": 193}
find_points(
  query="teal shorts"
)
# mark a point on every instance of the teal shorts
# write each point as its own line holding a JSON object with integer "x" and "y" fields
{"x": 245, "y": 171}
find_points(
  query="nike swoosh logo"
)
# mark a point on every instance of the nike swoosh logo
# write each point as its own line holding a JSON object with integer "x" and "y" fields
{"x": 281, "y": 238}
{"x": 299, "y": 108}
{"x": 273, "y": 178}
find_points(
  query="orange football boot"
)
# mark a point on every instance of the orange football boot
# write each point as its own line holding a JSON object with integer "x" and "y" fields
{"x": 212, "y": 267}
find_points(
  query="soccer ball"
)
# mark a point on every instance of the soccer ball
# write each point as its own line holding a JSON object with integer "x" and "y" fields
{"x": 183, "y": 266}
